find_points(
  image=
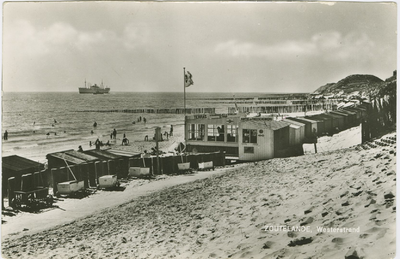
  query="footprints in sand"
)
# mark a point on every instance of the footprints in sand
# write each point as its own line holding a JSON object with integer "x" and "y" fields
{"x": 225, "y": 216}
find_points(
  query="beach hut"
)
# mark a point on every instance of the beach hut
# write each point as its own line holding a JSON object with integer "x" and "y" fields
{"x": 338, "y": 121}
{"x": 294, "y": 134}
{"x": 327, "y": 123}
{"x": 16, "y": 166}
{"x": 302, "y": 129}
{"x": 262, "y": 139}
{"x": 310, "y": 126}
{"x": 212, "y": 133}
{"x": 239, "y": 137}
{"x": 352, "y": 121}
{"x": 345, "y": 118}
{"x": 359, "y": 112}
{"x": 65, "y": 163}
{"x": 68, "y": 157}
{"x": 119, "y": 161}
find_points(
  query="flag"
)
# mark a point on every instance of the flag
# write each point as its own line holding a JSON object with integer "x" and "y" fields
{"x": 188, "y": 79}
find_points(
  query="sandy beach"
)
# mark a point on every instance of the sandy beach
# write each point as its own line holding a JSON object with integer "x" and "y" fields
{"x": 324, "y": 205}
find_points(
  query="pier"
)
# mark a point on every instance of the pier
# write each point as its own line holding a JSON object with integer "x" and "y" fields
{"x": 285, "y": 108}
{"x": 161, "y": 111}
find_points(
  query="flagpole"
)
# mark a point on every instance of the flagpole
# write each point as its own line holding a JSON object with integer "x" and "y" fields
{"x": 184, "y": 103}
{"x": 184, "y": 92}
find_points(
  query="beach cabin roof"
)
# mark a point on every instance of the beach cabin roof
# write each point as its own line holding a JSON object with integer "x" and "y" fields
{"x": 310, "y": 120}
{"x": 294, "y": 122}
{"x": 340, "y": 113}
{"x": 72, "y": 156}
{"x": 269, "y": 124}
{"x": 20, "y": 164}
{"x": 346, "y": 111}
{"x": 102, "y": 154}
{"x": 295, "y": 126}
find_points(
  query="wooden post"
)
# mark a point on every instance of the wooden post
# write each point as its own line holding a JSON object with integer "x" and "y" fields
{"x": 96, "y": 169}
{"x": 10, "y": 189}
{"x": 315, "y": 139}
{"x": 54, "y": 180}
{"x": 158, "y": 136}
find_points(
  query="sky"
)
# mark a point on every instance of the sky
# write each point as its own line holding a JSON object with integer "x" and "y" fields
{"x": 266, "y": 47}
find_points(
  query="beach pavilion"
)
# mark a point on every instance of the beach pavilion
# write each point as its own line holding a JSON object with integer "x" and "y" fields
{"x": 240, "y": 137}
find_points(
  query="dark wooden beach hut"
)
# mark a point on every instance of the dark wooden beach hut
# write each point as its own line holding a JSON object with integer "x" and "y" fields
{"x": 313, "y": 124}
{"x": 16, "y": 166}
{"x": 345, "y": 118}
{"x": 118, "y": 162}
{"x": 338, "y": 121}
{"x": 359, "y": 112}
{"x": 68, "y": 157}
{"x": 327, "y": 121}
{"x": 67, "y": 161}
{"x": 352, "y": 120}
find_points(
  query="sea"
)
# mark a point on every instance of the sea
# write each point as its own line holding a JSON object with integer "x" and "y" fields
{"x": 42, "y": 123}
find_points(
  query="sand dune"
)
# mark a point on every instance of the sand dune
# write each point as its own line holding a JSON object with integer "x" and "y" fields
{"x": 280, "y": 208}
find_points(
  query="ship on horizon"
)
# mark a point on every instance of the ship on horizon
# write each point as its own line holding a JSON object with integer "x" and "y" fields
{"x": 94, "y": 89}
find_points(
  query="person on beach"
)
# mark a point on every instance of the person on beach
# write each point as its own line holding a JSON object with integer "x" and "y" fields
{"x": 125, "y": 141}
{"x": 146, "y": 138}
{"x": 145, "y": 154}
{"x": 95, "y": 124}
{"x": 144, "y": 120}
{"x": 111, "y": 135}
{"x": 171, "y": 131}
{"x": 80, "y": 149}
{"x": 91, "y": 132}
{"x": 97, "y": 144}
{"x": 115, "y": 134}
{"x": 90, "y": 143}
{"x": 5, "y": 135}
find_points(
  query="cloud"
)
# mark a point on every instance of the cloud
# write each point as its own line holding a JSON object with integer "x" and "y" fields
{"x": 135, "y": 35}
{"x": 28, "y": 40}
{"x": 330, "y": 46}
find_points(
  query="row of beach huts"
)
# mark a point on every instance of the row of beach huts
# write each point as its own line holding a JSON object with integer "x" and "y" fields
{"x": 72, "y": 173}
{"x": 211, "y": 140}
{"x": 264, "y": 137}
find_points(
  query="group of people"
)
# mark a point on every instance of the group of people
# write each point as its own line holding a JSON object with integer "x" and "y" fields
{"x": 113, "y": 135}
{"x": 166, "y": 134}
{"x": 98, "y": 143}
{"x": 140, "y": 119}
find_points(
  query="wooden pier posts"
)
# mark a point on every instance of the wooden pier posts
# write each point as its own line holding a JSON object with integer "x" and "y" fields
{"x": 160, "y": 111}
